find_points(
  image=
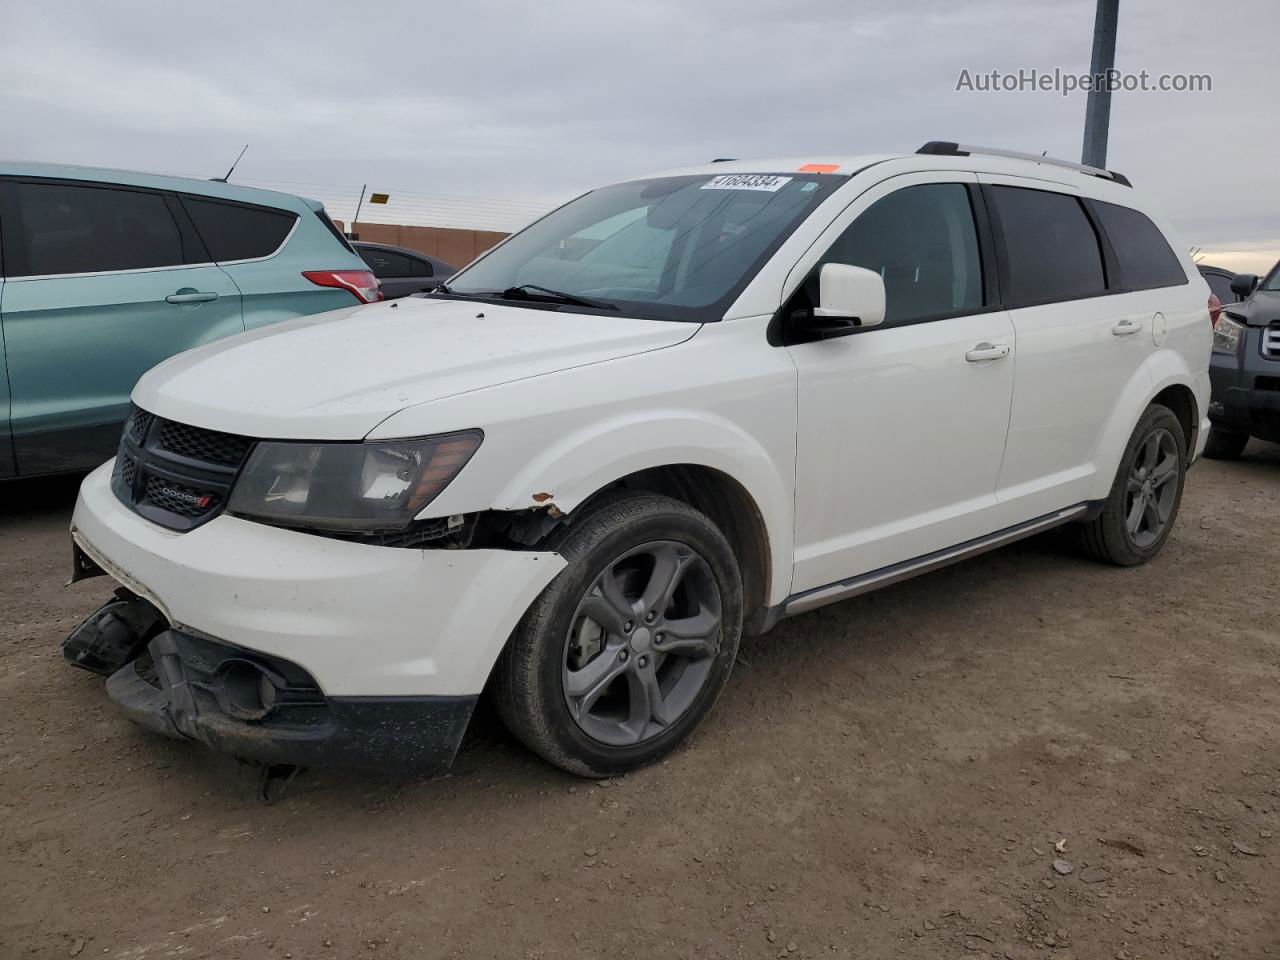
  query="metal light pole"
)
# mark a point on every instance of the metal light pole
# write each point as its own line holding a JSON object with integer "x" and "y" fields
{"x": 1097, "y": 116}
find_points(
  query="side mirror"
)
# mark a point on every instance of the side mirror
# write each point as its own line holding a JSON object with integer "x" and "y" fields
{"x": 849, "y": 298}
{"x": 1243, "y": 284}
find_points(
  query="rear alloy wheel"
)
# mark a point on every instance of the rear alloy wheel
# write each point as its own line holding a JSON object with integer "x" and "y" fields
{"x": 1152, "y": 488}
{"x": 628, "y": 648}
{"x": 1140, "y": 509}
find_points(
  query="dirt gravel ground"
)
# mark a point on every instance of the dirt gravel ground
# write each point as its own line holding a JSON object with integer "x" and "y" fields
{"x": 884, "y": 778}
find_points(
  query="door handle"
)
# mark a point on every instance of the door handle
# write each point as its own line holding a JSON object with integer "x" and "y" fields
{"x": 1127, "y": 327}
{"x": 192, "y": 296}
{"x": 987, "y": 351}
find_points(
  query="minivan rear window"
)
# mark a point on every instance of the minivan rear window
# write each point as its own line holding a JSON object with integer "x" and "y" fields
{"x": 235, "y": 231}
{"x": 64, "y": 228}
{"x": 1051, "y": 248}
{"x": 1144, "y": 256}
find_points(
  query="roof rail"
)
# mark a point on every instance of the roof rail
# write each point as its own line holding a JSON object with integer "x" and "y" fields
{"x": 947, "y": 148}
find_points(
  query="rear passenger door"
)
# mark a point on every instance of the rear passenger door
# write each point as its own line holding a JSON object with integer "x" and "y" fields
{"x": 265, "y": 251}
{"x": 102, "y": 283}
{"x": 1079, "y": 342}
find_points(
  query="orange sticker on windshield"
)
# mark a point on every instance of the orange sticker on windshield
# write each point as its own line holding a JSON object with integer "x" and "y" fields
{"x": 820, "y": 168}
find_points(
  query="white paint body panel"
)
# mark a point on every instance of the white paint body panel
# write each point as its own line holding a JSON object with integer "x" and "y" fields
{"x": 364, "y": 621}
{"x": 900, "y": 437}
{"x": 858, "y": 452}
{"x": 336, "y": 375}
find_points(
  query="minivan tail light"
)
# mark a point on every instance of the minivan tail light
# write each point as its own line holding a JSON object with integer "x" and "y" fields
{"x": 1215, "y": 309}
{"x": 362, "y": 283}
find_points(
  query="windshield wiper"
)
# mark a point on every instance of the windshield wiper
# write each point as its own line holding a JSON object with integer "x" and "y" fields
{"x": 521, "y": 292}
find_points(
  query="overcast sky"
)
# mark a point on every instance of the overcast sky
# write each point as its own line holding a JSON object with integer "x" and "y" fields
{"x": 534, "y": 100}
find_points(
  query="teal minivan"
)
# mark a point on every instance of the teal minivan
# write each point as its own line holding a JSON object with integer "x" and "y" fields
{"x": 104, "y": 273}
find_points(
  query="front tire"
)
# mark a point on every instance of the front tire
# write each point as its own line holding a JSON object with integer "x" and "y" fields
{"x": 628, "y": 648}
{"x": 1143, "y": 503}
{"x": 1225, "y": 444}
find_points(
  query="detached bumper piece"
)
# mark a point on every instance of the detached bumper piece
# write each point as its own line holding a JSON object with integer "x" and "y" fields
{"x": 114, "y": 634}
{"x": 270, "y": 710}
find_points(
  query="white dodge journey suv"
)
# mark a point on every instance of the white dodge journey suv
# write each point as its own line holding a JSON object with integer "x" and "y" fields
{"x": 674, "y": 410}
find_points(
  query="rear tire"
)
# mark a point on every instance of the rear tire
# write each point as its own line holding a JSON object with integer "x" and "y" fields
{"x": 1140, "y": 510}
{"x": 1225, "y": 444}
{"x": 628, "y": 648}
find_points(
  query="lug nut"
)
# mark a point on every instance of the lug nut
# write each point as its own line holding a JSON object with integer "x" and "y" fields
{"x": 658, "y": 638}
{"x": 648, "y": 617}
{"x": 626, "y": 627}
{"x": 622, "y": 656}
{"x": 644, "y": 661}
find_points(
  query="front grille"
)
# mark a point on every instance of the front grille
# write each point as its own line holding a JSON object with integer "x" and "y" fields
{"x": 197, "y": 444}
{"x": 178, "y": 498}
{"x": 1271, "y": 342}
{"x": 176, "y": 475}
{"x": 127, "y": 466}
{"x": 138, "y": 424}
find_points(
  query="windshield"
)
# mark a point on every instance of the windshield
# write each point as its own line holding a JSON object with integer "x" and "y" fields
{"x": 1272, "y": 282}
{"x": 674, "y": 248}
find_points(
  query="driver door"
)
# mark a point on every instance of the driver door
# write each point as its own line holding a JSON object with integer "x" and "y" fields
{"x": 902, "y": 426}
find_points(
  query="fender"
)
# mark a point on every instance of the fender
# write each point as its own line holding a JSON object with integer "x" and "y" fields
{"x": 722, "y": 400}
{"x": 1164, "y": 368}
{"x": 588, "y": 460}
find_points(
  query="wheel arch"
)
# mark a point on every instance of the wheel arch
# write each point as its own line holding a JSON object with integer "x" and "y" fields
{"x": 1164, "y": 378}
{"x": 704, "y": 460}
{"x": 730, "y": 506}
{"x": 1181, "y": 399}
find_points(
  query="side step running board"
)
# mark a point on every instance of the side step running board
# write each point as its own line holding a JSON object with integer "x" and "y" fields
{"x": 865, "y": 583}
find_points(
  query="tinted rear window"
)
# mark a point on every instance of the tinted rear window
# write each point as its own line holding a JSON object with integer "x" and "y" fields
{"x": 1051, "y": 247}
{"x": 333, "y": 229}
{"x": 1143, "y": 253}
{"x": 1220, "y": 287}
{"x": 234, "y": 231}
{"x": 392, "y": 266}
{"x": 72, "y": 228}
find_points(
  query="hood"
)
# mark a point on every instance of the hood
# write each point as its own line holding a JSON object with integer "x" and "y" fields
{"x": 1260, "y": 310}
{"x": 337, "y": 375}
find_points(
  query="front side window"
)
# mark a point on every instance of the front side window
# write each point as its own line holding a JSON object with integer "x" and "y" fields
{"x": 674, "y": 248}
{"x": 68, "y": 228}
{"x": 1143, "y": 254}
{"x": 923, "y": 243}
{"x": 1051, "y": 247}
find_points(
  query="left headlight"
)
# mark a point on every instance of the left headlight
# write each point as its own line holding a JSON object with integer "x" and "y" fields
{"x": 377, "y": 486}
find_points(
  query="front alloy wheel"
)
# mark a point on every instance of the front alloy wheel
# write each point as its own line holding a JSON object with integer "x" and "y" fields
{"x": 643, "y": 640}
{"x": 627, "y": 649}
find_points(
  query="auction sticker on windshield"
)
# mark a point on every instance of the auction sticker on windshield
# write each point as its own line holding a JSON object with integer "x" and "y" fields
{"x": 747, "y": 181}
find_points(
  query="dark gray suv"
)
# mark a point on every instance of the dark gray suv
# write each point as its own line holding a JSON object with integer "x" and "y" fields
{"x": 1245, "y": 367}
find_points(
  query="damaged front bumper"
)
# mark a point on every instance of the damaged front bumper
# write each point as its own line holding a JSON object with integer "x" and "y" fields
{"x": 271, "y": 711}
{"x": 375, "y": 655}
